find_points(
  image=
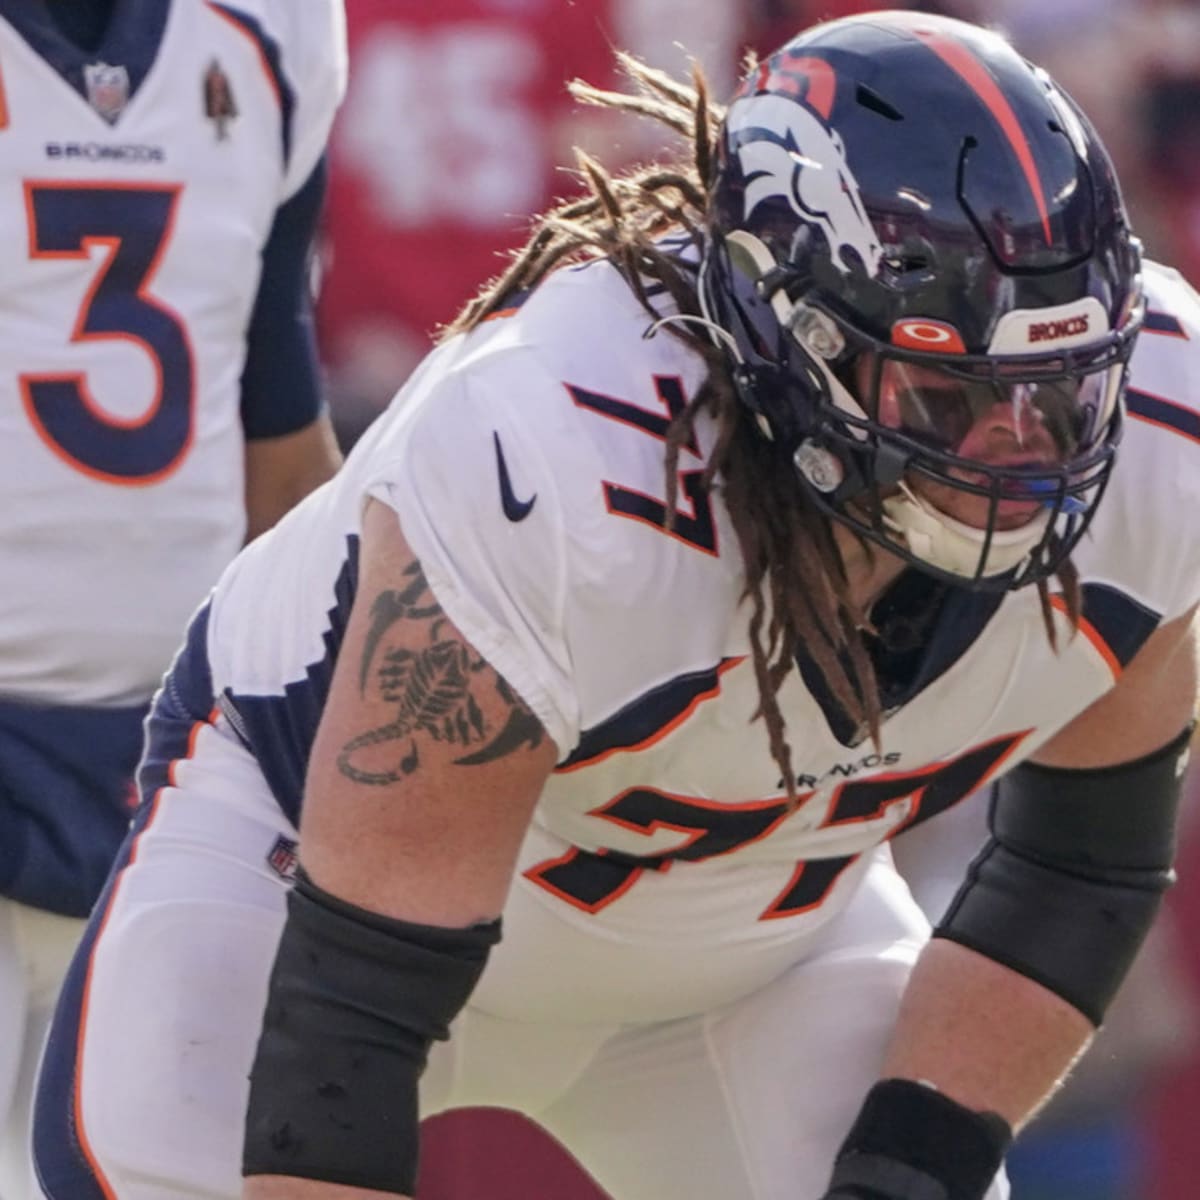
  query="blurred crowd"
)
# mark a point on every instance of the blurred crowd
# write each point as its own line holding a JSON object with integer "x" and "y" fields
{"x": 457, "y": 128}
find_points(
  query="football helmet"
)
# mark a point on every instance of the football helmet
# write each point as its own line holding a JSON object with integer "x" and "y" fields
{"x": 920, "y": 265}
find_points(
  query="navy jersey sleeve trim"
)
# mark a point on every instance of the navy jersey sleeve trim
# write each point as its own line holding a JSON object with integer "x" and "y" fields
{"x": 1164, "y": 323}
{"x": 279, "y": 728}
{"x": 281, "y": 387}
{"x": 1121, "y": 622}
{"x": 649, "y": 717}
{"x": 1157, "y": 411}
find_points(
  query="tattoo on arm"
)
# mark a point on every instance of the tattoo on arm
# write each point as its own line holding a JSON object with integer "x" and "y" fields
{"x": 433, "y": 690}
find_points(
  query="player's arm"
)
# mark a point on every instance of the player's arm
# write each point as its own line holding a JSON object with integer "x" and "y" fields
{"x": 290, "y": 446}
{"x": 1010, "y": 991}
{"x": 423, "y": 777}
{"x": 281, "y": 471}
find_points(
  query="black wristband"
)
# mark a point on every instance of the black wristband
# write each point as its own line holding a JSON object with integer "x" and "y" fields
{"x": 910, "y": 1142}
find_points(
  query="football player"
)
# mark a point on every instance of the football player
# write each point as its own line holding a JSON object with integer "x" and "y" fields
{"x": 160, "y": 178}
{"x": 766, "y": 507}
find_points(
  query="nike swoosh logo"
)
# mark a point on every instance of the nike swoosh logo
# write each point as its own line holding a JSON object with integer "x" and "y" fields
{"x": 514, "y": 509}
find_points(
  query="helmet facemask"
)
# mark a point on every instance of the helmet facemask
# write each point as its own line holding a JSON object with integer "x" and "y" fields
{"x": 986, "y": 470}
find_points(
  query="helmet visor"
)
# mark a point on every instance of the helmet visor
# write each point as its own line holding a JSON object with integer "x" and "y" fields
{"x": 1007, "y": 419}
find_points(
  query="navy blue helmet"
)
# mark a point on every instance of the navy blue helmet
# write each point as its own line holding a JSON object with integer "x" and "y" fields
{"x": 920, "y": 258}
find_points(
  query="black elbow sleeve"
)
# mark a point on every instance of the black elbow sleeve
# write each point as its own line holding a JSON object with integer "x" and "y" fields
{"x": 355, "y": 1001}
{"x": 1073, "y": 875}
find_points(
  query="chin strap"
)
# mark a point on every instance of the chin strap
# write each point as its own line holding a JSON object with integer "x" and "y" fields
{"x": 954, "y": 546}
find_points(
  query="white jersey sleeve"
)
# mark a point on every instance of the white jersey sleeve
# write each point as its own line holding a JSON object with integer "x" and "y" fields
{"x": 1141, "y": 542}
{"x": 492, "y": 551}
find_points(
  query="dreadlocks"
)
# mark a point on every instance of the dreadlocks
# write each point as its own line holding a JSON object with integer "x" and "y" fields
{"x": 795, "y": 579}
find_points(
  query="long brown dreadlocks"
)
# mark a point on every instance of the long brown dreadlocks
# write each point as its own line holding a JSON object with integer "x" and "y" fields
{"x": 795, "y": 578}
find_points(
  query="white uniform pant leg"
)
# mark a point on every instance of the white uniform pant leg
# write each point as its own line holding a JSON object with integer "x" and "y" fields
{"x": 172, "y": 979}
{"x": 493, "y": 1062}
{"x": 35, "y": 950}
{"x": 752, "y": 1100}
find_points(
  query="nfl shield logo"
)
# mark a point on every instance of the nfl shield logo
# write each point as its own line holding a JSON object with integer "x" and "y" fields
{"x": 282, "y": 858}
{"x": 107, "y": 89}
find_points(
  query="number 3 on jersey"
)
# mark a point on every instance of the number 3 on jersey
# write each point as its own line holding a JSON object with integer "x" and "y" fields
{"x": 133, "y": 224}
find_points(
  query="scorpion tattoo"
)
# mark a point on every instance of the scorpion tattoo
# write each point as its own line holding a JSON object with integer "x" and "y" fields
{"x": 432, "y": 691}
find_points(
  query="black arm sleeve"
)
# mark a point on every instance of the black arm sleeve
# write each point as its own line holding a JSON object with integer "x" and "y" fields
{"x": 1069, "y": 883}
{"x": 281, "y": 390}
{"x": 355, "y": 1001}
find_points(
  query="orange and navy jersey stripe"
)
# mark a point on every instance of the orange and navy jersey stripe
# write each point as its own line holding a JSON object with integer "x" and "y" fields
{"x": 1164, "y": 324}
{"x": 1116, "y": 624}
{"x": 1167, "y": 414}
{"x": 272, "y": 64}
{"x": 650, "y": 717}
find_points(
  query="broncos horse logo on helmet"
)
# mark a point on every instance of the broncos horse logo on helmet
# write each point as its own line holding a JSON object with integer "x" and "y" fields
{"x": 913, "y": 229}
{"x": 788, "y": 149}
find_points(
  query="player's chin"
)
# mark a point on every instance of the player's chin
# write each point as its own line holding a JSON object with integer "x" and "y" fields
{"x": 977, "y": 511}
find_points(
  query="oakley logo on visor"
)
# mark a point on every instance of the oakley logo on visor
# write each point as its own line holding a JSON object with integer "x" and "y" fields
{"x": 920, "y": 334}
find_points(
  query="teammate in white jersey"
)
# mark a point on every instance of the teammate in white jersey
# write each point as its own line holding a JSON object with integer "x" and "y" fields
{"x": 160, "y": 179}
{"x": 739, "y": 527}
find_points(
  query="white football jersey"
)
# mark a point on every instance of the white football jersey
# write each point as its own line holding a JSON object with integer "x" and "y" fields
{"x": 138, "y": 186}
{"x": 525, "y": 461}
